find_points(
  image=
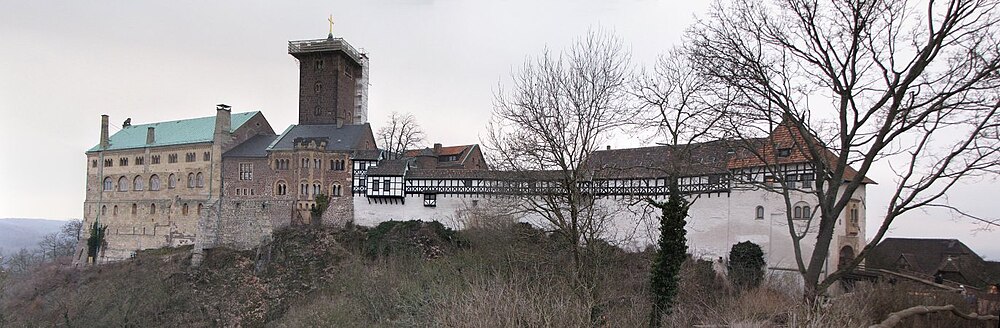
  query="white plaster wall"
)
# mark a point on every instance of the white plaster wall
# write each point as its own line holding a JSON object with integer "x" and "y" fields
{"x": 716, "y": 221}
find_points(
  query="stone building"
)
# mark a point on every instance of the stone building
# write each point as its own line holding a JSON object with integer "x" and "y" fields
{"x": 230, "y": 180}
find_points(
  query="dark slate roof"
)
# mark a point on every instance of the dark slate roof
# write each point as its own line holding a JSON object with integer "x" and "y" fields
{"x": 659, "y": 161}
{"x": 342, "y": 138}
{"x": 179, "y": 132}
{"x": 367, "y": 154}
{"x": 458, "y": 174}
{"x": 256, "y": 146}
{"x": 928, "y": 256}
{"x": 392, "y": 167}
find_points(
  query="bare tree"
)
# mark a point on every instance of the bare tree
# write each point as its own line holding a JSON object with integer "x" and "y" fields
{"x": 676, "y": 101}
{"x": 859, "y": 83}
{"x": 61, "y": 243}
{"x": 401, "y": 133}
{"x": 559, "y": 109}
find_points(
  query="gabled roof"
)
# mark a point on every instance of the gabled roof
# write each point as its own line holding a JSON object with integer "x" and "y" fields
{"x": 343, "y": 138}
{"x": 256, "y": 146}
{"x": 930, "y": 256}
{"x": 367, "y": 154}
{"x": 462, "y": 152}
{"x": 180, "y": 132}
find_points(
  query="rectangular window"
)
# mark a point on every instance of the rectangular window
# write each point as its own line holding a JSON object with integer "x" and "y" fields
{"x": 385, "y": 184}
{"x": 93, "y": 163}
{"x": 430, "y": 200}
{"x": 246, "y": 171}
{"x": 784, "y": 152}
{"x": 374, "y": 184}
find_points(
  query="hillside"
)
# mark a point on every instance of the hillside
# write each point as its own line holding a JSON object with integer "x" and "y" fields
{"x": 404, "y": 274}
{"x": 25, "y": 233}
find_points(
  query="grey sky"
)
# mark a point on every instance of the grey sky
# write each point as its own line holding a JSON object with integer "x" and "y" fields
{"x": 63, "y": 64}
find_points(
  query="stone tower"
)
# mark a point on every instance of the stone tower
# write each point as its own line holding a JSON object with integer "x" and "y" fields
{"x": 332, "y": 85}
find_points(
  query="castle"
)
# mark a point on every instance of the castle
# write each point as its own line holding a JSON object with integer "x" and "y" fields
{"x": 230, "y": 180}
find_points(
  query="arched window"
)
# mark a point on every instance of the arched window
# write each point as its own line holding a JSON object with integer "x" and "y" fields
{"x": 200, "y": 207}
{"x": 280, "y": 188}
{"x": 152, "y": 208}
{"x": 137, "y": 183}
{"x": 798, "y": 212}
{"x": 190, "y": 180}
{"x": 171, "y": 181}
{"x": 318, "y": 87}
{"x": 104, "y": 209}
{"x": 335, "y": 190}
{"x": 806, "y": 212}
{"x": 801, "y": 210}
{"x": 317, "y": 111}
{"x": 109, "y": 185}
{"x": 184, "y": 209}
{"x": 760, "y": 213}
{"x": 123, "y": 184}
{"x": 317, "y": 188}
{"x": 114, "y": 211}
{"x": 200, "y": 180}
{"x": 135, "y": 209}
{"x": 304, "y": 188}
{"x": 154, "y": 182}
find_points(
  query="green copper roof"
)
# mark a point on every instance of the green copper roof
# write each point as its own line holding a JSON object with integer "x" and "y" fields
{"x": 195, "y": 130}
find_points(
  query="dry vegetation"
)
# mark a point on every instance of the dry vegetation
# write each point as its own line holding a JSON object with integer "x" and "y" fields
{"x": 413, "y": 274}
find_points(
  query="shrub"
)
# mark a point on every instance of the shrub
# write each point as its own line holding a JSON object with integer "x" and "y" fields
{"x": 746, "y": 265}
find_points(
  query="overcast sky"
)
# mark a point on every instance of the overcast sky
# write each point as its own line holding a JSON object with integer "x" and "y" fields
{"x": 63, "y": 64}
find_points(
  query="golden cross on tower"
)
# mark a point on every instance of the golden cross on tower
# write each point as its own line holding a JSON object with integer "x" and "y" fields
{"x": 331, "y": 25}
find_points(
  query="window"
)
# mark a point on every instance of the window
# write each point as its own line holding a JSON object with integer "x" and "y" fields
{"x": 171, "y": 181}
{"x": 140, "y": 160}
{"x": 790, "y": 181}
{"x": 206, "y": 156}
{"x": 374, "y": 184}
{"x": 760, "y": 213}
{"x": 109, "y": 162}
{"x": 137, "y": 183}
{"x": 154, "y": 183}
{"x": 172, "y": 158}
{"x": 184, "y": 209}
{"x": 190, "y": 157}
{"x": 807, "y": 181}
{"x": 304, "y": 188}
{"x": 385, "y": 184}
{"x": 318, "y": 164}
{"x": 336, "y": 165}
{"x": 199, "y": 208}
{"x": 190, "y": 180}
{"x": 200, "y": 180}
{"x": 363, "y": 165}
{"x": 430, "y": 200}
{"x": 806, "y": 212}
{"x": 152, "y": 208}
{"x": 135, "y": 209}
{"x": 123, "y": 161}
{"x": 281, "y": 188}
{"x": 93, "y": 163}
{"x": 318, "y": 87}
{"x": 114, "y": 211}
{"x": 123, "y": 184}
{"x": 335, "y": 190}
{"x": 317, "y": 188}
{"x": 246, "y": 171}
{"x": 784, "y": 152}
{"x": 317, "y": 111}
{"x": 155, "y": 159}
{"x": 104, "y": 209}
{"x": 797, "y": 212}
{"x": 319, "y": 65}
{"x": 108, "y": 184}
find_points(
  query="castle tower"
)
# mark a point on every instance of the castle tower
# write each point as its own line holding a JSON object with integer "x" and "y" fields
{"x": 332, "y": 82}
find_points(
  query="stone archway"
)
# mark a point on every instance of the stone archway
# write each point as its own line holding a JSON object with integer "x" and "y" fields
{"x": 846, "y": 255}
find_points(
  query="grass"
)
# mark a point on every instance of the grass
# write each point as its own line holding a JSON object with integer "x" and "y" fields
{"x": 412, "y": 274}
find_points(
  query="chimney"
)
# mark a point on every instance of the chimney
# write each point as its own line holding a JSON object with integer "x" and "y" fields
{"x": 223, "y": 120}
{"x": 104, "y": 132}
{"x": 609, "y": 147}
{"x": 437, "y": 149}
{"x": 150, "y": 135}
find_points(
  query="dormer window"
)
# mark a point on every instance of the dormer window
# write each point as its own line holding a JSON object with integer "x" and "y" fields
{"x": 784, "y": 152}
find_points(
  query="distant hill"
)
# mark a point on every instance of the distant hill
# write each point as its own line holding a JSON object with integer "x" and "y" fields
{"x": 25, "y": 233}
